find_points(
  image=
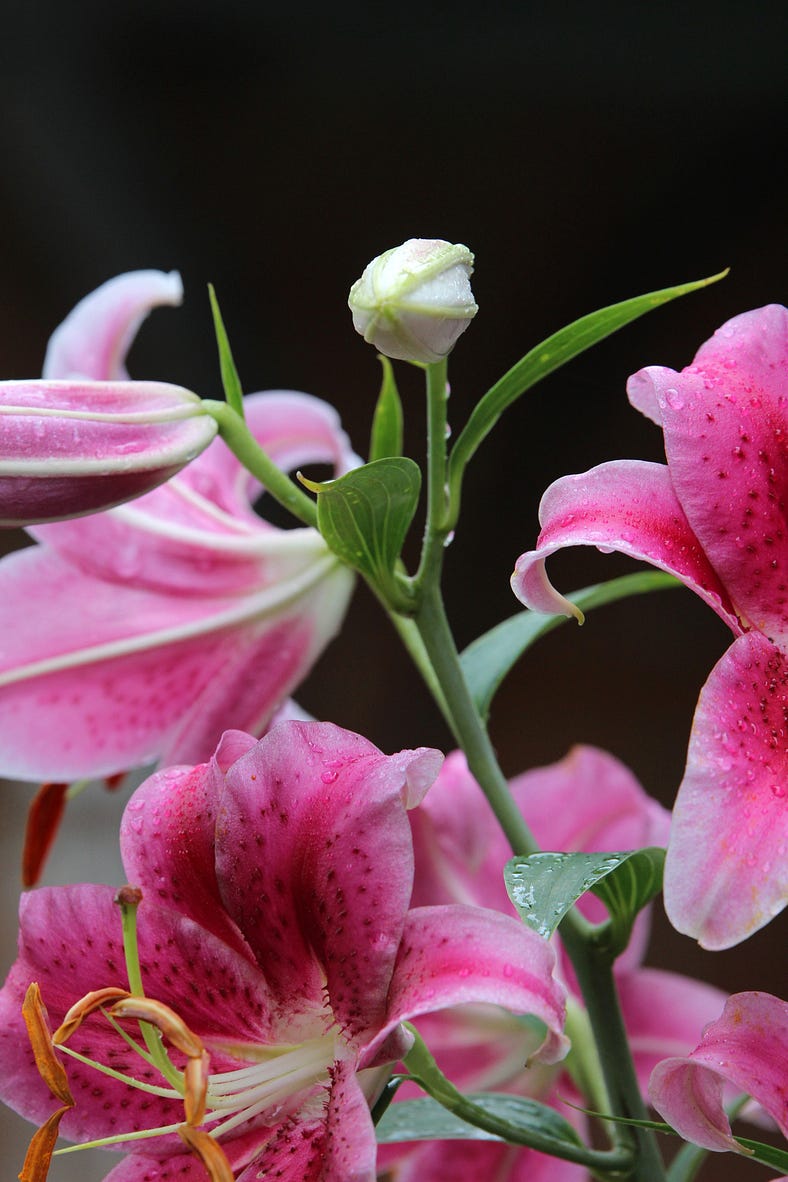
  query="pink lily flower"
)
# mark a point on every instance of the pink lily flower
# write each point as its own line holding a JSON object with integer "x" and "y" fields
{"x": 715, "y": 517}
{"x": 586, "y": 802}
{"x": 746, "y": 1047}
{"x": 142, "y": 633}
{"x": 276, "y": 933}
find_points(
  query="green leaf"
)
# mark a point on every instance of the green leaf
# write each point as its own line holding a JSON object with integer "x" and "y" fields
{"x": 767, "y": 1155}
{"x": 230, "y": 380}
{"x": 387, "y": 422}
{"x": 552, "y": 353}
{"x": 427, "y": 1120}
{"x": 488, "y": 659}
{"x": 364, "y": 517}
{"x": 626, "y": 890}
{"x": 544, "y": 886}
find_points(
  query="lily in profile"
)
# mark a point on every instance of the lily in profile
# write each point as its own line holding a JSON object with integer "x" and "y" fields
{"x": 271, "y": 940}
{"x": 715, "y": 517}
{"x": 142, "y": 633}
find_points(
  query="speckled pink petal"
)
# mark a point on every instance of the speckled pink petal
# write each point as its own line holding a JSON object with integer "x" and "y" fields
{"x": 340, "y": 1148}
{"x": 663, "y": 1013}
{"x": 93, "y": 340}
{"x": 725, "y": 420}
{"x": 71, "y": 943}
{"x": 158, "y": 675}
{"x": 181, "y": 1166}
{"x": 315, "y": 864}
{"x": 167, "y": 845}
{"x": 726, "y": 873}
{"x": 453, "y": 955}
{"x": 748, "y": 1047}
{"x": 625, "y": 505}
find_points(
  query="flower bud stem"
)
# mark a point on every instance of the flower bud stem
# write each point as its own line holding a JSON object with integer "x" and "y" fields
{"x": 245, "y": 448}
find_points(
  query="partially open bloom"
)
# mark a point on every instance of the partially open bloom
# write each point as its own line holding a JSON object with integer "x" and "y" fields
{"x": 587, "y": 802}
{"x": 143, "y": 632}
{"x": 73, "y": 447}
{"x": 275, "y": 934}
{"x": 413, "y": 302}
{"x": 747, "y": 1047}
{"x": 715, "y": 517}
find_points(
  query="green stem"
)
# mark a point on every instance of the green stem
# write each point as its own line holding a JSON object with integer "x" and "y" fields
{"x": 435, "y": 530}
{"x": 592, "y": 967}
{"x": 245, "y": 448}
{"x": 595, "y": 977}
{"x": 466, "y": 725}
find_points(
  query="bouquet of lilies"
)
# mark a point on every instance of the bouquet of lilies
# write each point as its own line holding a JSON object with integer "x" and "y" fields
{"x": 328, "y": 964}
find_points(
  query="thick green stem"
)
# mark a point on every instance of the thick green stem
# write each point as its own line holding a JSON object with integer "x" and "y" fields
{"x": 468, "y": 729}
{"x": 591, "y": 965}
{"x": 595, "y": 977}
{"x": 245, "y": 448}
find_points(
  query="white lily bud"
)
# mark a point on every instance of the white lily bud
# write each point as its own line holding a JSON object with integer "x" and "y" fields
{"x": 414, "y": 301}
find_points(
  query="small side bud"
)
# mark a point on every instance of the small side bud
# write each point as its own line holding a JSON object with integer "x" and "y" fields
{"x": 413, "y": 302}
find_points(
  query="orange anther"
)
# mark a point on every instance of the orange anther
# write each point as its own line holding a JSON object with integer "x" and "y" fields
{"x": 209, "y": 1152}
{"x": 50, "y": 1068}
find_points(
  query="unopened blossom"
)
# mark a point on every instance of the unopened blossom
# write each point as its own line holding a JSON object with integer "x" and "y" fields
{"x": 714, "y": 516}
{"x": 276, "y": 935}
{"x": 142, "y": 633}
{"x": 746, "y": 1047}
{"x": 414, "y": 302}
{"x": 74, "y": 447}
{"x": 586, "y": 802}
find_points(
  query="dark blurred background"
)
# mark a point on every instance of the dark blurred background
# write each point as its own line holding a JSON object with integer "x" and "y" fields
{"x": 585, "y": 152}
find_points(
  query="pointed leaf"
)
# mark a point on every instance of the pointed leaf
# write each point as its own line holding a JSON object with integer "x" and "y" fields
{"x": 231, "y": 382}
{"x": 549, "y": 355}
{"x": 364, "y": 516}
{"x": 488, "y": 659}
{"x": 386, "y": 437}
{"x": 544, "y": 886}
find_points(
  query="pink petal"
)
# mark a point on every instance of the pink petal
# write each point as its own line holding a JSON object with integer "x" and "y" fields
{"x": 341, "y": 1148}
{"x": 167, "y": 844}
{"x": 452, "y": 955}
{"x": 625, "y": 505}
{"x": 120, "y": 676}
{"x": 748, "y": 1047}
{"x": 322, "y": 893}
{"x": 726, "y": 873}
{"x": 725, "y": 420}
{"x": 663, "y": 1013}
{"x": 93, "y": 340}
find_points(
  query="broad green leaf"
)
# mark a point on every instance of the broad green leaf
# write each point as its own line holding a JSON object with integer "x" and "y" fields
{"x": 427, "y": 1120}
{"x": 230, "y": 380}
{"x": 544, "y": 886}
{"x": 488, "y": 659}
{"x": 364, "y": 516}
{"x": 386, "y": 437}
{"x": 549, "y": 355}
{"x": 767, "y": 1155}
{"x": 626, "y": 890}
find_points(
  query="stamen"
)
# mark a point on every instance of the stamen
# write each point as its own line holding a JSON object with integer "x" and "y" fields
{"x": 40, "y": 1150}
{"x": 210, "y": 1154}
{"x": 50, "y": 1067}
{"x": 81, "y": 1009}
